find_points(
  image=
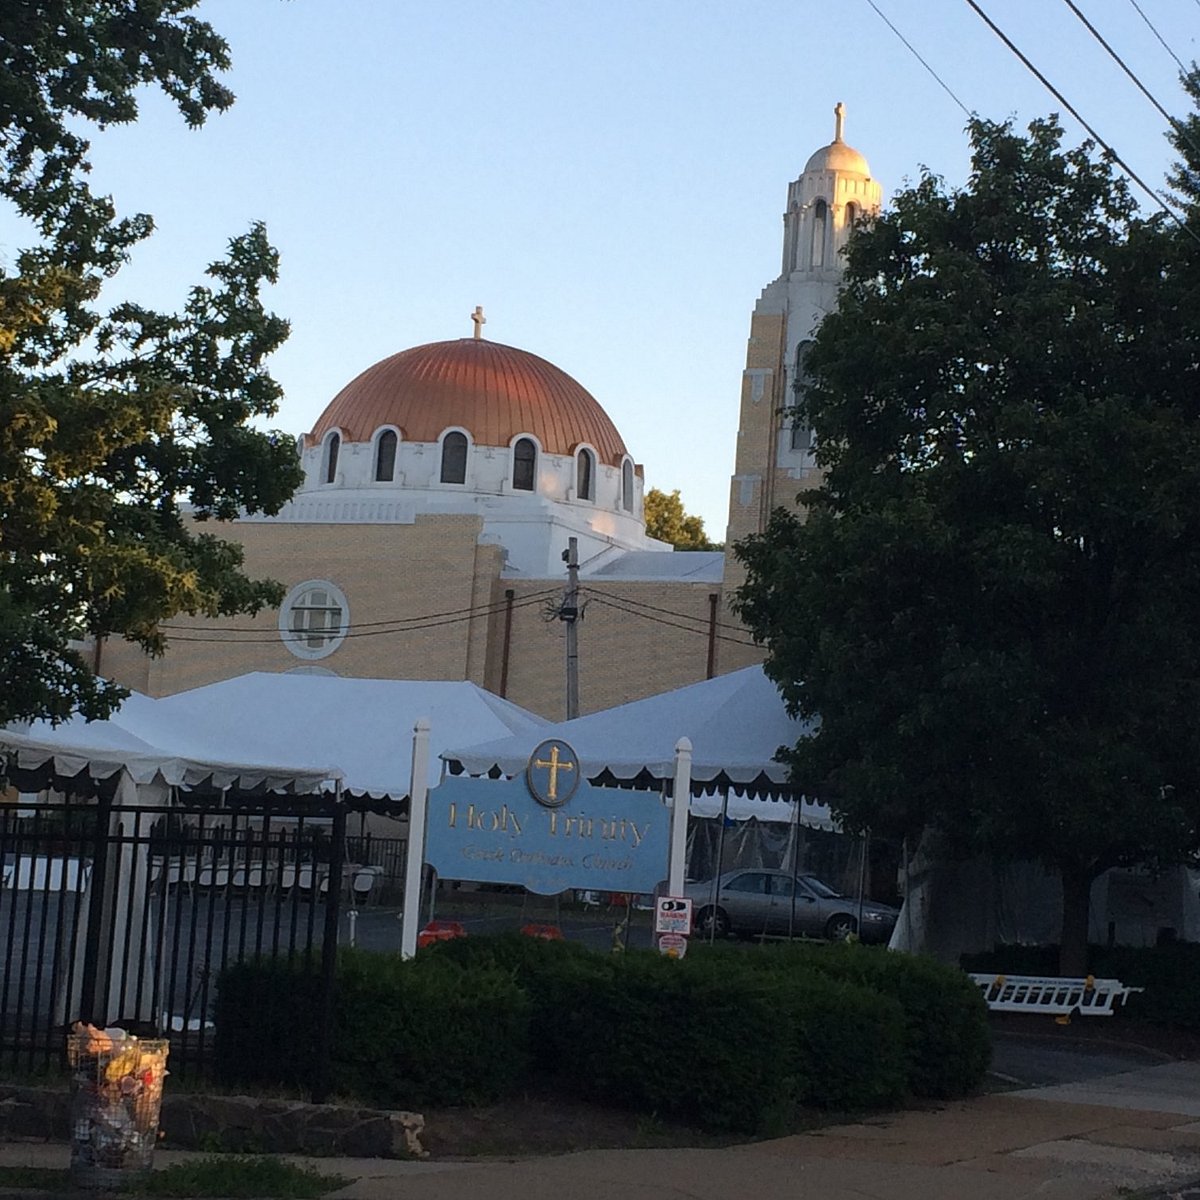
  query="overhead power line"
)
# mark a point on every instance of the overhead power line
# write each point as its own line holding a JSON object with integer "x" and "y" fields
{"x": 1150, "y": 25}
{"x": 218, "y": 635}
{"x": 1079, "y": 117}
{"x": 609, "y": 602}
{"x": 1179, "y": 129}
{"x": 477, "y": 609}
{"x": 670, "y": 612}
{"x": 916, "y": 54}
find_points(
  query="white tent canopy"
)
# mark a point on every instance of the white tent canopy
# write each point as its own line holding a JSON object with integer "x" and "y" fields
{"x": 365, "y": 726}
{"x": 312, "y": 728}
{"x": 135, "y": 739}
{"x": 736, "y": 724}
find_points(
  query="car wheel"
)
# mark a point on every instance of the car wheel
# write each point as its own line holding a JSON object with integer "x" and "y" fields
{"x": 712, "y": 922}
{"x": 841, "y": 928}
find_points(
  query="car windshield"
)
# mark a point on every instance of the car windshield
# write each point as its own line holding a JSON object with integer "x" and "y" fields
{"x": 823, "y": 890}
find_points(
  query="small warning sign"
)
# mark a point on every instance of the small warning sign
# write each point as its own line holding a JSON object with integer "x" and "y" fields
{"x": 673, "y": 914}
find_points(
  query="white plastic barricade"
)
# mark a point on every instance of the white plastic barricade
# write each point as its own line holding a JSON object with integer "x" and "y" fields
{"x": 1089, "y": 997}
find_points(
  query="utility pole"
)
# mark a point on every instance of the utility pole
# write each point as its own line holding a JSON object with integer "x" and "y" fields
{"x": 569, "y": 612}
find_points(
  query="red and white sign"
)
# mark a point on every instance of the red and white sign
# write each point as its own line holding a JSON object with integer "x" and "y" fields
{"x": 673, "y": 945}
{"x": 673, "y": 914}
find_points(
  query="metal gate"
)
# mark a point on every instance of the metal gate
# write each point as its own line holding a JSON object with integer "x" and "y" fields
{"x": 127, "y": 914}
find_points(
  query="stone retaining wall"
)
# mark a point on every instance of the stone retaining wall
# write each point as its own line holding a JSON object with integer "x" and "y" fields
{"x": 239, "y": 1124}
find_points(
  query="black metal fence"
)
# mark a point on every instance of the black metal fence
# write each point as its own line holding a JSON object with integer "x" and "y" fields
{"x": 126, "y": 915}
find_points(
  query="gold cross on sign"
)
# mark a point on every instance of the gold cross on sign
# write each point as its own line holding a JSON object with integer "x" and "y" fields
{"x": 480, "y": 321}
{"x": 555, "y": 766}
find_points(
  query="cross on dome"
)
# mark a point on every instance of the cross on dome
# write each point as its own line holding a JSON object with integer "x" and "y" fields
{"x": 480, "y": 321}
{"x": 839, "y": 121}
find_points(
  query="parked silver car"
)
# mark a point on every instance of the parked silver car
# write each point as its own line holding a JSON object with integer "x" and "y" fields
{"x": 759, "y": 902}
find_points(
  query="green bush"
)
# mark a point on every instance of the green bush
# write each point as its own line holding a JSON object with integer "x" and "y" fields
{"x": 556, "y": 976}
{"x": 725, "y": 1039}
{"x": 852, "y": 1043}
{"x": 947, "y": 1042}
{"x": 267, "y": 1012}
{"x": 405, "y": 1033}
{"x": 1170, "y": 974}
{"x": 725, "y": 1046}
{"x": 428, "y": 1031}
{"x": 526, "y": 957}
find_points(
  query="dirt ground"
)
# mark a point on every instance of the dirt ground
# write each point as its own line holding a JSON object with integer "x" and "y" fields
{"x": 529, "y": 1125}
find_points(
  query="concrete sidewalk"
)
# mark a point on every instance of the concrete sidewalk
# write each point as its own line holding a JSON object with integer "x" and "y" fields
{"x": 1139, "y": 1129}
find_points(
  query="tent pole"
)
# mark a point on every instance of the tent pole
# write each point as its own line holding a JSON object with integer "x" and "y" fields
{"x": 795, "y": 865}
{"x": 712, "y": 925}
{"x": 322, "y": 1083}
{"x": 864, "y": 850}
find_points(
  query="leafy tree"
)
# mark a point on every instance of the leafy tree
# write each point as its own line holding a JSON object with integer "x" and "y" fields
{"x": 991, "y": 601}
{"x": 1185, "y": 137}
{"x": 108, "y": 420}
{"x": 667, "y": 521}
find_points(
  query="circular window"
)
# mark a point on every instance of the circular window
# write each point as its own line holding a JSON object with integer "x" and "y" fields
{"x": 314, "y": 619}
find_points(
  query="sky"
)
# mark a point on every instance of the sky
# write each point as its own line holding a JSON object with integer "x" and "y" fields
{"x": 605, "y": 177}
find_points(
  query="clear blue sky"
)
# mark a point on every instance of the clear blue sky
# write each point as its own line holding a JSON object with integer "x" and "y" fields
{"x": 606, "y": 177}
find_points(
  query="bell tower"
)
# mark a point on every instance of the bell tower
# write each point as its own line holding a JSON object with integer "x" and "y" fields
{"x": 774, "y": 459}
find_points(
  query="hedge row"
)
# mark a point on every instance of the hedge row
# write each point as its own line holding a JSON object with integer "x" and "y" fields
{"x": 947, "y": 1046}
{"x": 706, "y": 1040}
{"x": 732, "y": 1039}
{"x": 1170, "y": 974}
{"x": 405, "y": 1034}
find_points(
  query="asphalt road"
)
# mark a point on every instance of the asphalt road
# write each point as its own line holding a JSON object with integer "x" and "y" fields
{"x": 1033, "y": 1060}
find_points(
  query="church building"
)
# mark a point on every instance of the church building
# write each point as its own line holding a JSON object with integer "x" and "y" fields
{"x": 444, "y": 485}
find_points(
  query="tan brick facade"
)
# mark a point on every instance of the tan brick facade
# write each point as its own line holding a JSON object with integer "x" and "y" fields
{"x": 635, "y": 638}
{"x": 414, "y": 573}
{"x": 752, "y": 489}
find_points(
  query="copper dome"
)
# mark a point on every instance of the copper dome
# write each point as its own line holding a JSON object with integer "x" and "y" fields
{"x": 494, "y": 392}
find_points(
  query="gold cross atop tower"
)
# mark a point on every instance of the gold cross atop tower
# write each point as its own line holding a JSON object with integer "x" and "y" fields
{"x": 839, "y": 120}
{"x": 555, "y": 766}
{"x": 480, "y": 321}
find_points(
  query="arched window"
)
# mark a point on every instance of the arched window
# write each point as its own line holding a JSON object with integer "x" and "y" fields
{"x": 801, "y": 433}
{"x": 331, "y": 456}
{"x": 851, "y": 216}
{"x": 586, "y": 474}
{"x": 820, "y": 220}
{"x": 524, "y": 465}
{"x": 385, "y": 456}
{"x": 454, "y": 457}
{"x": 627, "y": 486}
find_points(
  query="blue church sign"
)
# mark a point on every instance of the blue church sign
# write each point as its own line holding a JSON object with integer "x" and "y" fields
{"x": 495, "y": 831}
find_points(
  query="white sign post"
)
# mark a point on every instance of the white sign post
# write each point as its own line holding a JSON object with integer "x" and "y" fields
{"x": 681, "y": 796}
{"x": 415, "y": 853}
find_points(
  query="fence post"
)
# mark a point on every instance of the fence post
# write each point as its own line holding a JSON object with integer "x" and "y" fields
{"x": 322, "y": 1083}
{"x": 95, "y": 928}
